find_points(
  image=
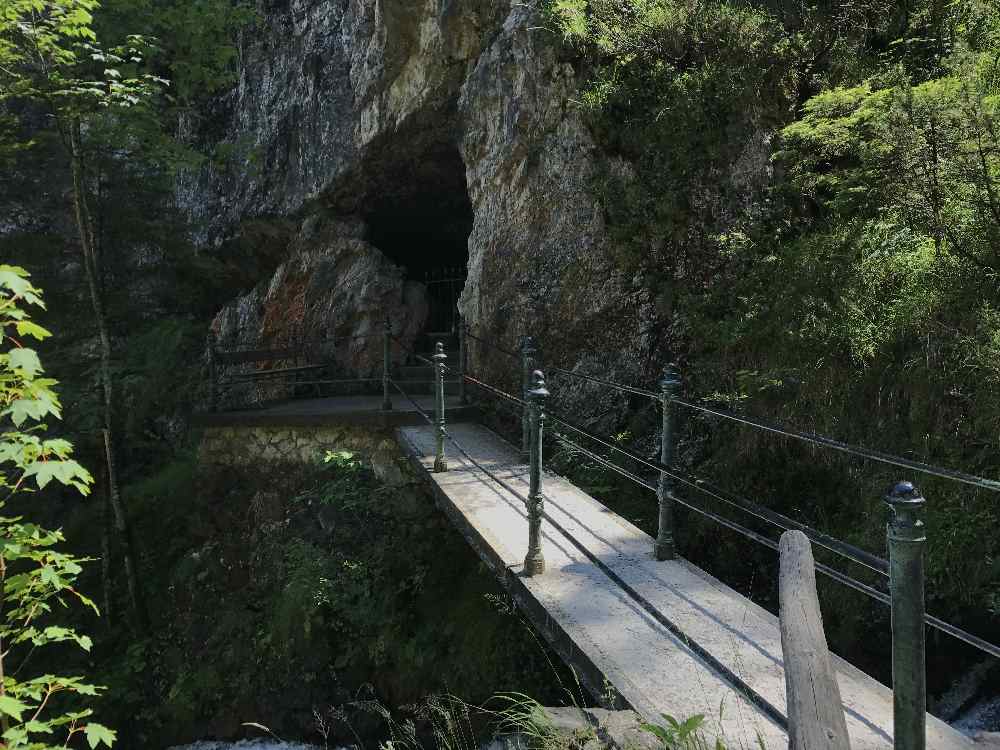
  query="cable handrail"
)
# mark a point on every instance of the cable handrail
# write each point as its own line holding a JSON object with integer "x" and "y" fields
{"x": 859, "y": 451}
{"x": 848, "y": 551}
{"x": 491, "y": 345}
{"x": 749, "y": 693}
{"x": 837, "y": 546}
{"x": 495, "y": 391}
{"x": 808, "y": 437}
{"x": 610, "y": 383}
{"x": 870, "y": 591}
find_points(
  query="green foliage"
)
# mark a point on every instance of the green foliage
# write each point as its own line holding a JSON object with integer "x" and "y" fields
{"x": 35, "y": 575}
{"x": 49, "y": 52}
{"x": 682, "y": 735}
{"x": 806, "y": 194}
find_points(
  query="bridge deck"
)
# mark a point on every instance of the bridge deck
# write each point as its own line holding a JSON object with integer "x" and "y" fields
{"x": 608, "y": 634}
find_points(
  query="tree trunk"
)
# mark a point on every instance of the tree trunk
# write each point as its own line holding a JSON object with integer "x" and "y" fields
{"x": 125, "y": 535}
{"x": 107, "y": 584}
{"x": 85, "y": 226}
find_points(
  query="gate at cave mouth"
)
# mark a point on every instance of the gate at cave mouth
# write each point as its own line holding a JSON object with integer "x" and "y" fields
{"x": 422, "y": 222}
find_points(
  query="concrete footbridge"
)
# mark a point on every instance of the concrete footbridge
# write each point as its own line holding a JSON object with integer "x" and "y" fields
{"x": 641, "y": 627}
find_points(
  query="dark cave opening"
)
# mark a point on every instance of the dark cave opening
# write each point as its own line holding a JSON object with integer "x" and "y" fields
{"x": 421, "y": 218}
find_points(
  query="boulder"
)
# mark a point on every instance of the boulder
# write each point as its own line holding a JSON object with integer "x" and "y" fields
{"x": 333, "y": 292}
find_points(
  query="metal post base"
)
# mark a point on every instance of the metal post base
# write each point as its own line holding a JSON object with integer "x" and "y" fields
{"x": 534, "y": 564}
{"x": 664, "y": 550}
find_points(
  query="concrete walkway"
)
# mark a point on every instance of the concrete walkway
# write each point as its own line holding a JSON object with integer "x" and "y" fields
{"x": 718, "y": 653}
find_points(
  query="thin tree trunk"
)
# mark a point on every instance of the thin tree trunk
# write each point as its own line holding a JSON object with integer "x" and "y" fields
{"x": 125, "y": 534}
{"x": 108, "y": 588}
{"x": 85, "y": 226}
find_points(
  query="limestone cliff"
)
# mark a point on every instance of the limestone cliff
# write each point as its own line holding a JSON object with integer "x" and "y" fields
{"x": 379, "y": 112}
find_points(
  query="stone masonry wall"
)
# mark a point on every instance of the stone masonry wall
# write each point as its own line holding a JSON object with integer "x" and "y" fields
{"x": 243, "y": 445}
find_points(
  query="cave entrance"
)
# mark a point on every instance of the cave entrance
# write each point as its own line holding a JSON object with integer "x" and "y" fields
{"x": 421, "y": 219}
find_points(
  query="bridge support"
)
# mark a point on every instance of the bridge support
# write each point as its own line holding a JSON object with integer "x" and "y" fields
{"x": 906, "y": 539}
{"x": 440, "y": 461}
{"x": 669, "y": 386}
{"x": 528, "y": 353}
{"x": 386, "y": 357}
{"x": 534, "y": 562}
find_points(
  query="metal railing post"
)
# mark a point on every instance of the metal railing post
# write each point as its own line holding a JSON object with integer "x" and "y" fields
{"x": 213, "y": 396}
{"x": 669, "y": 386}
{"x": 534, "y": 561}
{"x": 440, "y": 462}
{"x": 463, "y": 364}
{"x": 528, "y": 352}
{"x": 905, "y": 540}
{"x": 386, "y": 356}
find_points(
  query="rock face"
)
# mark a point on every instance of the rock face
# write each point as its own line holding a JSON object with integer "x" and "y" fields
{"x": 376, "y": 112}
{"x": 334, "y": 290}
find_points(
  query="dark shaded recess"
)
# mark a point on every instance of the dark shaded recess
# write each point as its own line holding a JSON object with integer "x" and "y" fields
{"x": 419, "y": 214}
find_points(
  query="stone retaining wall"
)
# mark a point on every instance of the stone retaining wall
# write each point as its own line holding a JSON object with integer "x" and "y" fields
{"x": 240, "y": 446}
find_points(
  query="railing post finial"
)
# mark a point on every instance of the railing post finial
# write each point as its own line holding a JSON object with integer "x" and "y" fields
{"x": 534, "y": 561}
{"x": 440, "y": 461}
{"x": 906, "y": 539}
{"x": 670, "y": 385}
{"x": 528, "y": 354}
{"x": 386, "y": 363}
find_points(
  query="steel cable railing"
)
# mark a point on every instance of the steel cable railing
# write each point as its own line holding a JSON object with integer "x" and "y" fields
{"x": 491, "y": 345}
{"x": 459, "y": 446}
{"x": 873, "y": 593}
{"x": 808, "y": 437}
{"x": 845, "y": 550}
{"x": 610, "y": 383}
{"x": 853, "y": 450}
{"x": 848, "y": 551}
{"x": 732, "y": 525}
{"x": 749, "y": 693}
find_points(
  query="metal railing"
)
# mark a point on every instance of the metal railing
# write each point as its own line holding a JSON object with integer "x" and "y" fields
{"x": 905, "y": 532}
{"x": 244, "y": 374}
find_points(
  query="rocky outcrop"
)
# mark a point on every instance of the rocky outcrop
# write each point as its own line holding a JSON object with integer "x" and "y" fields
{"x": 372, "y": 112}
{"x": 341, "y": 102}
{"x": 334, "y": 290}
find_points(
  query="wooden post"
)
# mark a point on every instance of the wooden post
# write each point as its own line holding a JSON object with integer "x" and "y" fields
{"x": 906, "y": 540}
{"x": 440, "y": 461}
{"x": 815, "y": 710}
{"x": 534, "y": 561}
